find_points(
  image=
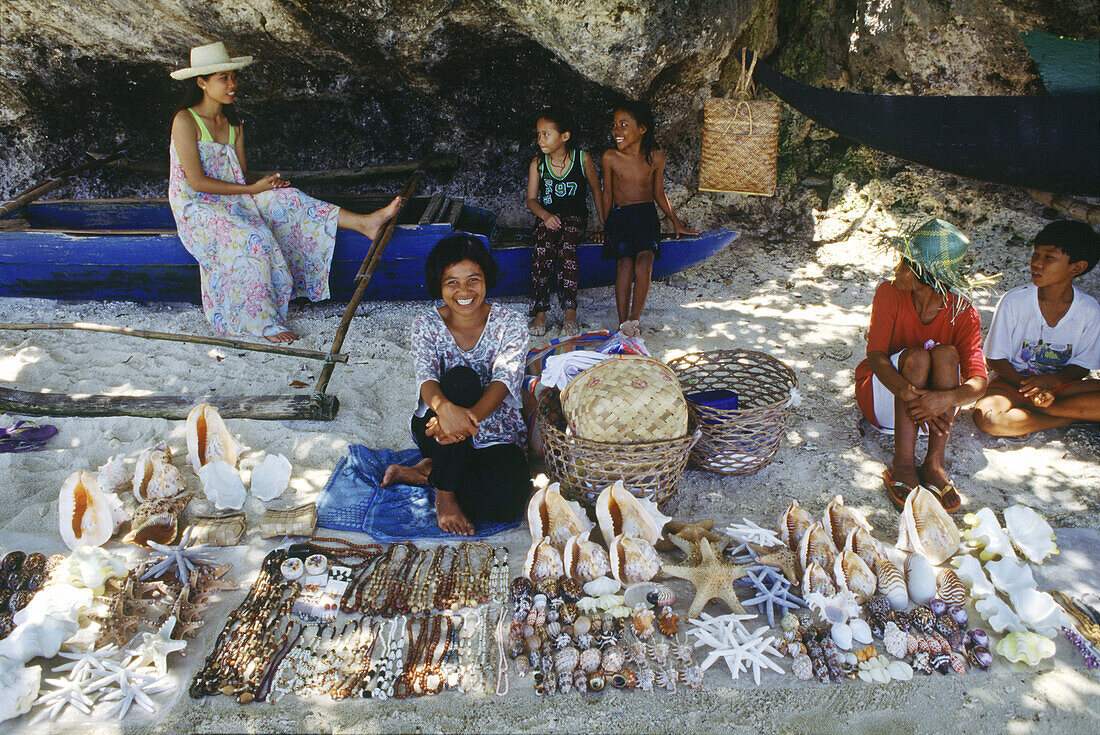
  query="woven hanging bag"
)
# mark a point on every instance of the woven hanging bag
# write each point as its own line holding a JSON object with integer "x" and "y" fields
{"x": 626, "y": 399}
{"x": 740, "y": 140}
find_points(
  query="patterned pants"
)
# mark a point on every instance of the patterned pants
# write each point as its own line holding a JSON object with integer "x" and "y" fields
{"x": 556, "y": 253}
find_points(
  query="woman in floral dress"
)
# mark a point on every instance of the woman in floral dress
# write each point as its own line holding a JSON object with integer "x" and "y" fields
{"x": 259, "y": 242}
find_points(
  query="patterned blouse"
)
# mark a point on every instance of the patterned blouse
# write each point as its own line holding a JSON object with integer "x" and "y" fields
{"x": 499, "y": 356}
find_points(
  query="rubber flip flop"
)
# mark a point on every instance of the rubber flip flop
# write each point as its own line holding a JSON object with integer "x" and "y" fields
{"x": 25, "y": 436}
{"x": 898, "y": 491}
{"x": 948, "y": 494}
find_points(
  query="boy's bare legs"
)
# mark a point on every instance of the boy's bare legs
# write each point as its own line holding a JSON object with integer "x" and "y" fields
{"x": 945, "y": 376}
{"x": 624, "y": 276}
{"x": 914, "y": 364}
{"x": 1003, "y": 411}
{"x": 643, "y": 277}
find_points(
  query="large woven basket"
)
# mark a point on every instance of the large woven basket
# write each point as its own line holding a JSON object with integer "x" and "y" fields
{"x": 584, "y": 467}
{"x": 626, "y": 399}
{"x": 740, "y": 142}
{"x": 737, "y": 441}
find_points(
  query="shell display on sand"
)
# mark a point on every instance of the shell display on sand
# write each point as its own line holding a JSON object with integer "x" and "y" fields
{"x": 949, "y": 587}
{"x": 852, "y": 574}
{"x": 891, "y": 583}
{"x": 926, "y": 528}
{"x": 157, "y": 520}
{"x": 155, "y": 476}
{"x": 584, "y": 560}
{"x": 208, "y": 438}
{"x": 633, "y": 559}
{"x": 840, "y": 520}
{"x": 793, "y": 524}
{"x": 543, "y": 561}
{"x": 619, "y": 512}
{"x": 817, "y": 547}
{"x": 920, "y": 579}
{"x": 550, "y": 514}
{"x": 84, "y": 513}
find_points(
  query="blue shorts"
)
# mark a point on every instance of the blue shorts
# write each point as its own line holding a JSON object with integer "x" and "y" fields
{"x": 630, "y": 230}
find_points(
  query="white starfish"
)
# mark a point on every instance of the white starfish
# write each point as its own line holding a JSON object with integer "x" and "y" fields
{"x": 83, "y": 663}
{"x": 184, "y": 557}
{"x": 750, "y": 533}
{"x": 155, "y": 648}
{"x": 68, "y": 692}
{"x": 129, "y": 687}
{"x": 740, "y": 649}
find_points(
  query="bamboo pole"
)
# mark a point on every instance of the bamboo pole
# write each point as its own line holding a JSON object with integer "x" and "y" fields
{"x": 318, "y": 178}
{"x": 1075, "y": 208}
{"x": 366, "y": 270}
{"x": 57, "y": 180}
{"x": 195, "y": 338}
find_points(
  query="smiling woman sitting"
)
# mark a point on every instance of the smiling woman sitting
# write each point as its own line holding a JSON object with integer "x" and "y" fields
{"x": 468, "y": 356}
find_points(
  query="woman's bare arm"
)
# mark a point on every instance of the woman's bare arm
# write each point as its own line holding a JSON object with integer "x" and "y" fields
{"x": 185, "y": 136}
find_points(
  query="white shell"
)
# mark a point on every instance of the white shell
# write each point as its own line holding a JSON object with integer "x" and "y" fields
{"x": 1028, "y": 648}
{"x": 998, "y": 614}
{"x": 222, "y": 485}
{"x": 841, "y": 633}
{"x": 899, "y": 671}
{"x": 1039, "y": 611}
{"x": 112, "y": 475}
{"x": 270, "y": 478}
{"x": 602, "y": 586}
{"x": 550, "y": 514}
{"x": 861, "y": 631}
{"x": 986, "y": 534}
{"x": 584, "y": 560}
{"x": 543, "y": 561}
{"x": 35, "y": 638}
{"x": 633, "y": 559}
{"x": 1009, "y": 575}
{"x": 619, "y": 512}
{"x": 155, "y": 476}
{"x": 1030, "y": 533}
{"x": 891, "y": 582}
{"x": 19, "y": 687}
{"x": 85, "y": 515}
{"x": 54, "y": 601}
{"x": 926, "y": 528}
{"x": 920, "y": 579}
{"x": 208, "y": 438}
{"x": 973, "y": 576}
{"x": 89, "y": 567}
{"x": 840, "y": 520}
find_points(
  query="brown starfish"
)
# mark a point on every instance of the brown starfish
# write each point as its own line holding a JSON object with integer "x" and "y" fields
{"x": 778, "y": 556}
{"x": 210, "y": 579}
{"x": 689, "y": 531}
{"x": 713, "y": 577}
{"x": 691, "y": 548}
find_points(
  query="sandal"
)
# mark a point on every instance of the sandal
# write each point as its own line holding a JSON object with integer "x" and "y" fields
{"x": 898, "y": 491}
{"x": 948, "y": 494}
{"x": 25, "y": 436}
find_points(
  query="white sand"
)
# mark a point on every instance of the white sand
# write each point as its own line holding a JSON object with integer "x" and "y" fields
{"x": 804, "y": 302}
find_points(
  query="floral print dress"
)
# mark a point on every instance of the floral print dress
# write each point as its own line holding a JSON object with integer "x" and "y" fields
{"x": 255, "y": 252}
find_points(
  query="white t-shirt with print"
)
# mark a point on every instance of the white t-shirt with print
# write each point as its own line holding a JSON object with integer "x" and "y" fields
{"x": 1021, "y": 335}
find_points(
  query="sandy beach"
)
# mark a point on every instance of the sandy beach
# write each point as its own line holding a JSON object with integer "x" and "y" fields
{"x": 805, "y": 302}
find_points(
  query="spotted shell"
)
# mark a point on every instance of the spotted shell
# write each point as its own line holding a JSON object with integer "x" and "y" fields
{"x": 633, "y": 559}
{"x": 543, "y": 561}
{"x": 922, "y": 617}
{"x": 817, "y": 547}
{"x": 853, "y": 575}
{"x": 612, "y": 660}
{"x": 580, "y": 680}
{"x": 589, "y": 660}
{"x": 793, "y": 524}
{"x": 949, "y": 587}
{"x": 566, "y": 659}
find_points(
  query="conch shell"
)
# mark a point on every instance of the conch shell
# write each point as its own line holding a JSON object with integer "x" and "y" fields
{"x": 633, "y": 559}
{"x": 852, "y": 574}
{"x": 84, "y": 512}
{"x": 816, "y": 546}
{"x": 816, "y": 579}
{"x": 585, "y": 560}
{"x": 551, "y": 515}
{"x": 543, "y": 562}
{"x": 157, "y": 520}
{"x": 793, "y": 524}
{"x": 925, "y": 528}
{"x": 863, "y": 543}
{"x": 155, "y": 476}
{"x": 620, "y": 512}
{"x": 208, "y": 438}
{"x": 840, "y": 520}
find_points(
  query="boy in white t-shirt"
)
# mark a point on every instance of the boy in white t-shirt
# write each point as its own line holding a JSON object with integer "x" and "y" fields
{"x": 1044, "y": 340}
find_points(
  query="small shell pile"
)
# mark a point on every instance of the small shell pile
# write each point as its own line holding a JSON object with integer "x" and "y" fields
{"x": 574, "y": 637}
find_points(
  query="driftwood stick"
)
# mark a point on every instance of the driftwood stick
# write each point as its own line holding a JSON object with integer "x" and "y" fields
{"x": 315, "y": 178}
{"x": 196, "y": 338}
{"x": 1075, "y": 208}
{"x": 273, "y": 407}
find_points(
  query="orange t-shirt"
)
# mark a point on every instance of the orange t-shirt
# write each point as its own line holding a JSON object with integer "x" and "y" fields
{"x": 896, "y": 326}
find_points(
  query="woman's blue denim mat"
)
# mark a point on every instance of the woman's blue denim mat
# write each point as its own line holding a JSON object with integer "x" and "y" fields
{"x": 352, "y": 500}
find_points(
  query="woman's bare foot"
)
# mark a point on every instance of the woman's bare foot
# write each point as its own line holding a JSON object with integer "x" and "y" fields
{"x": 399, "y": 474}
{"x": 449, "y": 516}
{"x": 284, "y": 337}
{"x": 375, "y": 221}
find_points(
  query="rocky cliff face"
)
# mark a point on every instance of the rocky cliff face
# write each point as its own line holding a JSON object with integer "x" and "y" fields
{"x": 343, "y": 83}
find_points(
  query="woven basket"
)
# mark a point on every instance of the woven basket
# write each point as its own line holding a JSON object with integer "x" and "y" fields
{"x": 740, "y": 141}
{"x": 626, "y": 399}
{"x": 584, "y": 468}
{"x": 742, "y": 440}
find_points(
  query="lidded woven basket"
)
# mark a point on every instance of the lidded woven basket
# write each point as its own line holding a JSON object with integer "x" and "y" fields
{"x": 626, "y": 399}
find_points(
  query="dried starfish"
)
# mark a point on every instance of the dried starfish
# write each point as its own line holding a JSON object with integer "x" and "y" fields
{"x": 67, "y": 692}
{"x": 127, "y": 687}
{"x": 117, "y": 625}
{"x": 689, "y": 533}
{"x": 155, "y": 648}
{"x": 205, "y": 580}
{"x": 773, "y": 591}
{"x": 778, "y": 556}
{"x": 712, "y": 577}
{"x": 750, "y": 533}
{"x": 691, "y": 549}
{"x": 182, "y": 558}
{"x": 84, "y": 663}
{"x": 186, "y": 613}
{"x": 739, "y": 649}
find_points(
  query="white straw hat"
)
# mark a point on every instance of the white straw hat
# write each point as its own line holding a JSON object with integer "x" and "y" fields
{"x": 209, "y": 59}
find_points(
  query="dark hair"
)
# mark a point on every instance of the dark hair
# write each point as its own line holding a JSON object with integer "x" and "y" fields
{"x": 1075, "y": 239}
{"x": 455, "y": 248}
{"x": 561, "y": 118}
{"x": 644, "y": 117}
{"x": 192, "y": 95}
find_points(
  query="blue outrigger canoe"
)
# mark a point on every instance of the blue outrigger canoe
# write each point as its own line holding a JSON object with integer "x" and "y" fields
{"x": 127, "y": 250}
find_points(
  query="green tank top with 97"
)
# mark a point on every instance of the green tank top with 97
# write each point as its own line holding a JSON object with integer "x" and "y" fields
{"x": 567, "y": 194}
